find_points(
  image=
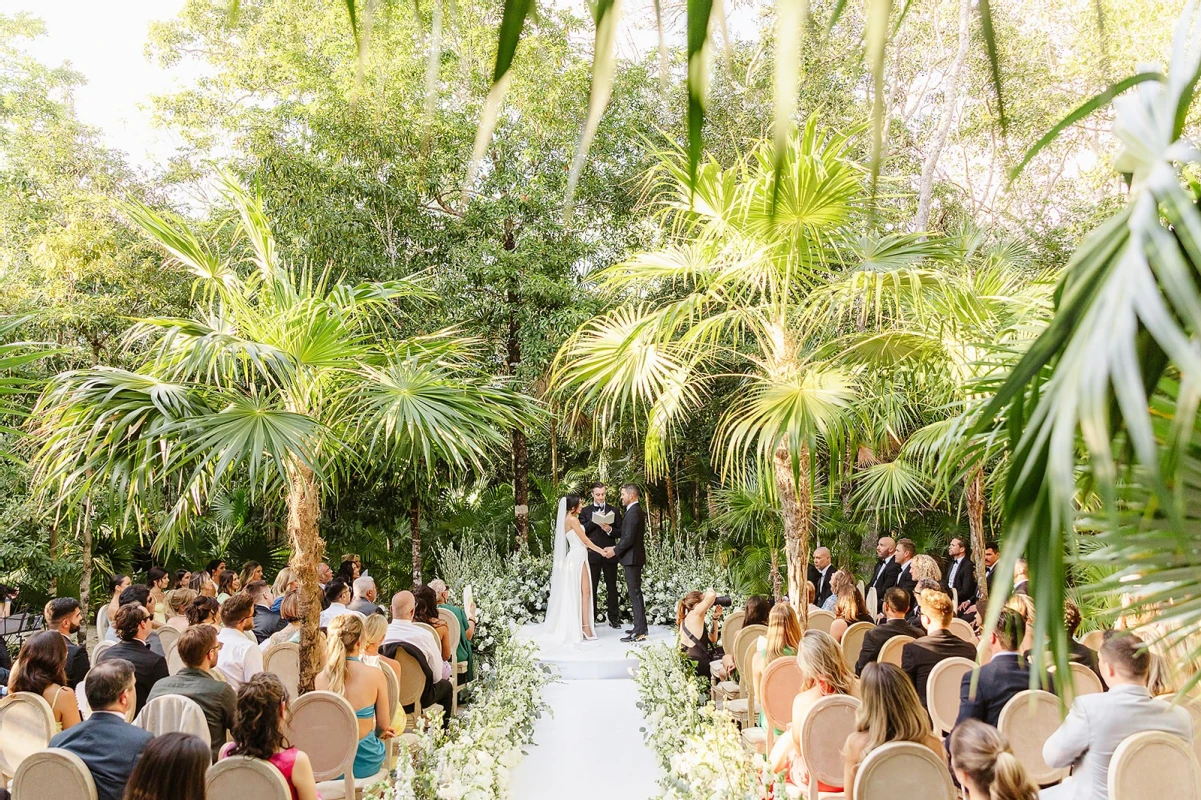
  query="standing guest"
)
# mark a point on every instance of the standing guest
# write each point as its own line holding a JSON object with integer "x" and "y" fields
{"x": 992, "y": 552}
{"x": 402, "y": 630}
{"x": 427, "y": 612}
{"x": 840, "y": 580}
{"x": 157, "y": 580}
{"x": 985, "y": 766}
{"x": 1002, "y": 677}
{"x": 849, "y": 608}
{"x": 266, "y": 621}
{"x": 259, "y": 732}
{"x": 905, "y": 552}
{"x": 289, "y": 612}
{"x": 961, "y": 575}
{"x": 177, "y": 608}
{"x": 203, "y": 610}
{"x": 1021, "y": 577}
{"x": 364, "y": 686}
{"x": 172, "y": 767}
{"x": 198, "y": 647}
{"x": 466, "y": 618}
{"x": 890, "y": 712}
{"x": 756, "y": 611}
{"x": 41, "y": 668}
{"x": 698, "y": 644}
{"x": 348, "y": 572}
{"x": 364, "y": 597}
{"x": 887, "y": 570}
{"x": 64, "y": 615}
{"x": 285, "y": 581}
{"x": 240, "y": 658}
{"x": 337, "y": 599}
{"x": 896, "y": 609}
{"x": 820, "y": 572}
{"x": 324, "y": 574}
{"x": 602, "y": 536}
{"x": 107, "y": 744}
{"x": 1097, "y": 723}
{"x": 1078, "y": 653}
{"x": 133, "y": 627}
{"x": 116, "y": 585}
{"x": 782, "y": 639}
{"x": 181, "y": 579}
{"x": 251, "y": 571}
{"x": 228, "y": 585}
{"x": 919, "y": 657}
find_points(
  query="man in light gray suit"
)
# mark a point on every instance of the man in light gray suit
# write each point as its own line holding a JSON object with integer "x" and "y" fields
{"x": 1098, "y": 723}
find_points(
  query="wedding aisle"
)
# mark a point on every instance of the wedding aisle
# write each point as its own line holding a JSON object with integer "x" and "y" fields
{"x": 592, "y": 746}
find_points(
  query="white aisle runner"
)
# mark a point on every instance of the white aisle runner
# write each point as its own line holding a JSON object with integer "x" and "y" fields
{"x": 591, "y": 747}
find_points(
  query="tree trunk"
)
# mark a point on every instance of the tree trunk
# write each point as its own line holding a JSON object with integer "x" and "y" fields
{"x": 53, "y": 557}
{"x": 796, "y": 503}
{"x": 950, "y": 100}
{"x": 554, "y": 445}
{"x": 672, "y": 519}
{"x": 304, "y": 509}
{"x": 415, "y": 536}
{"x": 85, "y": 576}
{"x": 776, "y": 594}
{"x": 521, "y": 488}
{"x": 975, "y": 521}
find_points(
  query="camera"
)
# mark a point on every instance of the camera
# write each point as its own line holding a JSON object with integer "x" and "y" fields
{"x": 724, "y": 601}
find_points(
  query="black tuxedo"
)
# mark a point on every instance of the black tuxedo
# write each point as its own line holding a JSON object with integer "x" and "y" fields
{"x": 77, "y": 663}
{"x": 906, "y": 581}
{"x": 918, "y": 658}
{"x": 884, "y": 578}
{"x": 874, "y": 639}
{"x": 1000, "y": 679}
{"x": 988, "y": 578}
{"x": 598, "y": 564}
{"x": 1083, "y": 654}
{"x": 821, "y": 583}
{"x": 630, "y": 552}
{"x": 965, "y": 580}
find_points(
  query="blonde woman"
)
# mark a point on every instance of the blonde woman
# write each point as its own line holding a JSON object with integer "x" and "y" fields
{"x": 285, "y": 582}
{"x": 849, "y": 608}
{"x": 363, "y": 685}
{"x": 985, "y": 766}
{"x": 374, "y": 629}
{"x": 289, "y": 612}
{"x": 783, "y": 638}
{"x": 177, "y": 605}
{"x": 1022, "y": 604}
{"x": 841, "y": 581}
{"x": 824, "y": 672}
{"x": 924, "y": 566}
{"x": 890, "y": 712}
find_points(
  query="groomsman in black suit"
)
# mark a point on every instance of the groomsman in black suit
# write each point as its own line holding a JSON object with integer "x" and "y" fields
{"x": 887, "y": 570}
{"x": 905, "y": 552}
{"x": 992, "y": 552}
{"x": 960, "y": 575}
{"x": 603, "y": 536}
{"x": 630, "y": 552}
{"x": 821, "y": 572}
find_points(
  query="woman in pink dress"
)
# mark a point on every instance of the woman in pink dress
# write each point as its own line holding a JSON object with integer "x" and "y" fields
{"x": 258, "y": 732}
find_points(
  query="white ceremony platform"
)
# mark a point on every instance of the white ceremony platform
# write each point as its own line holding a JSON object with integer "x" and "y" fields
{"x": 592, "y": 746}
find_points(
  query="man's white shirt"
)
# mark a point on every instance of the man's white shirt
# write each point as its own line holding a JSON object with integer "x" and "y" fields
{"x": 239, "y": 659}
{"x": 404, "y": 630}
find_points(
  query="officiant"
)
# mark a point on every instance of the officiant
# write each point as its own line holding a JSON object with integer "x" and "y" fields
{"x": 603, "y": 534}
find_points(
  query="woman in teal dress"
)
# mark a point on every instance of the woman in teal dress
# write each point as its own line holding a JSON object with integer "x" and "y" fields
{"x": 361, "y": 684}
{"x": 783, "y": 636}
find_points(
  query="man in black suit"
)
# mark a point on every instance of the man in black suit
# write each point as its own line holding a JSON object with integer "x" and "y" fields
{"x": 896, "y": 608}
{"x": 1002, "y": 677}
{"x": 105, "y": 742}
{"x": 905, "y": 552}
{"x": 821, "y": 571}
{"x": 887, "y": 570}
{"x": 266, "y": 621}
{"x": 919, "y": 657}
{"x": 960, "y": 575}
{"x": 133, "y": 628}
{"x": 602, "y": 536}
{"x": 992, "y": 552}
{"x": 1021, "y": 577}
{"x": 630, "y": 552}
{"x": 64, "y": 615}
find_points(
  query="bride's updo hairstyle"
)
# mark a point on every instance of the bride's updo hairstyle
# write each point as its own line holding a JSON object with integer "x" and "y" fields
{"x": 573, "y": 502}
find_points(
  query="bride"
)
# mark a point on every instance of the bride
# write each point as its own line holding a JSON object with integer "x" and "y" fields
{"x": 569, "y": 610}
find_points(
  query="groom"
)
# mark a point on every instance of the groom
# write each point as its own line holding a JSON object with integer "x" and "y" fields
{"x": 631, "y": 554}
{"x": 602, "y": 536}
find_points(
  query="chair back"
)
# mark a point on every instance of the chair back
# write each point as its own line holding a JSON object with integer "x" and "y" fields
{"x": 903, "y": 769}
{"x": 412, "y": 682}
{"x": 1093, "y": 640}
{"x": 778, "y": 688}
{"x": 174, "y": 713}
{"x": 852, "y": 641}
{"x": 102, "y": 622}
{"x": 954, "y": 599}
{"x": 168, "y": 635}
{"x": 1154, "y": 764}
{"x": 81, "y": 700}
{"x": 963, "y": 629}
{"x": 26, "y": 726}
{"x": 860, "y": 585}
{"x": 433, "y": 632}
{"x": 100, "y": 650}
{"x": 890, "y": 652}
{"x": 744, "y": 646}
{"x": 393, "y": 689}
{"x": 1194, "y": 710}
{"x": 174, "y": 659}
{"x": 1084, "y": 680}
{"x": 824, "y": 733}
{"x": 942, "y": 692}
{"x": 452, "y": 623}
{"x": 730, "y": 626}
{"x": 323, "y": 725}
{"x": 820, "y": 620}
{"x": 284, "y": 661}
{"x": 873, "y": 601}
{"x": 239, "y": 777}
{"x": 54, "y": 773}
{"x": 1027, "y": 721}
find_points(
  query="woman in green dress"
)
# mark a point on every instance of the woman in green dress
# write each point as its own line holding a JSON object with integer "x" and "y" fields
{"x": 783, "y": 636}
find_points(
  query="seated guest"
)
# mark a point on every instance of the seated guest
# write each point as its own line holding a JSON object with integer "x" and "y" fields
{"x": 839, "y": 581}
{"x": 361, "y": 684}
{"x": 919, "y": 657}
{"x": 890, "y": 713}
{"x": 782, "y": 639}
{"x": 285, "y": 581}
{"x": 203, "y": 610}
{"x": 41, "y": 668}
{"x": 375, "y": 628}
{"x": 289, "y": 612}
{"x": 1097, "y": 723}
{"x": 402, "y": 630}
{"x": 698, "y": 644}
{"x": 116, "y": 585}
{"x": 180, "y": 579}
{"x": 1078, "y": 653}
{"x": 215, "y": 569}
{"x": 1005, "y": 674}
{"x": 240, "y": 658}
{"x": 259, "y": 732}
{"x": 324, "y": 575}
{"x": 364, "y": 597}
{"x": 849, "y": 608}
{"x": 251, "y": 571}
{"x": 985, "y": 766}
{"x": 157, "y": 580}
{"x": 915, "y": 611}
{"x": 337, "y": 599}
{"x": 172, "y": 767}
{"x": 64, "y": 615}
{"x": 139, "y": 594}
{"x": 355, "y": 557}
{"x": 349, "y": 571}
{"x": 756, "y": 610}
{"x": 810, "y": 596}
{"x": 1024, "y": 605}
{"x": 896, "y": 609}
{"x": 177, "y": 605}
{"x": 228, "y": 585}
{"x": 133, "y": 628}
{"x": 823, "y": 673}
{"x": 107, "y": 744}
{"x": 266, "y": 621}
{"x": 466, "y": 618}
{"x": 924, "y": 567}
{"x": 202, "y": 584}
{"x": 198, "y": 647}
{"x": 427, "y": 612}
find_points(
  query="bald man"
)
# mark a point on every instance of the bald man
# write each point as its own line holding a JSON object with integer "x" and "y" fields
{"x": 887, "y": 569}
{"x": 403, "y": 629}
{"x": 820, "y": 573}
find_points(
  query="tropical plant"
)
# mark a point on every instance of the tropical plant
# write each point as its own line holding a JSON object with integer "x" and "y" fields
{"x": 283, "y": 381}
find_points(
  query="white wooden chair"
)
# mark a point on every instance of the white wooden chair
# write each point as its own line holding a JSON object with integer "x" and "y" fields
{"x": 779, "y": 687}
{"x": 168, "y": 636}
{"x": 412, "y": 684}
{"x": 240, "y": 777}
{"x": 174, "y": 659}
{"x": 942, "y": 692}
{"x": 456, "y": 668}
{"x": 101, "y": 647}
{"x": 820, "y": 620}
{"x": 1093, "y": 640}
{"x": 26, "y": 726}
{"x": 1084, "y": 680}
{"x": 250, "y": 635}
{"x": 174, "y": 713}
{"x": 873, "y": 601}
{"x": 824, "y": 732}
{"x": 729, "y": 688}
{"x": 744, "y": 708}
{"x": 81, "y": 700}
{"x": 963, "y": 629}
{"x": 852, "y": 642}
{"x": 284, "y": 661}
{"x": 890, "y": 652}
{"x": 324, "y": 726}
{"x": 393, "y": 704}
{"x": 1027, "y": 721}
{"x": 54, "y": 773}
{"x": 903, "y": 769}
{"x": 1154, "y": 764}
{"x": 102, "y": 622}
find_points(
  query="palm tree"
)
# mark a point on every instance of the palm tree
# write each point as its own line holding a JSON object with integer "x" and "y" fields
{"x": 283, "y": 381}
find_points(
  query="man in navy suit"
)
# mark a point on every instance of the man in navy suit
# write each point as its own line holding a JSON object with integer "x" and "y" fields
{"x": 105, "y": 742}
{"x": 1002, "y": 677}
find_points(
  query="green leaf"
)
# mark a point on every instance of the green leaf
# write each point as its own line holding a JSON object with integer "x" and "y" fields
{"x": 878, "y": 14}
{"x": 994, "y": 61}
{"x": 608, "y": 14}
{"x": 699, "y": 12}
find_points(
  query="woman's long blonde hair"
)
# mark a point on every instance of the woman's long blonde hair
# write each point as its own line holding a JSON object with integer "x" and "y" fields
{"x": 891, "y": 710}
{"x": 820, "y": 660}
{"x": 982, "y": 754}
{"x": 850, "y": 605}
{"x": 281, "y": 581}
{"x": 374, "y": 630}
{"x": 344, "y": 634}
{"x": 783, "y": 631}
{"x": 924, "y": 566}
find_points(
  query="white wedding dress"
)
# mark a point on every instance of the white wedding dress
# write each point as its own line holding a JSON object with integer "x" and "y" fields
{"x": 565, "y": 616}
